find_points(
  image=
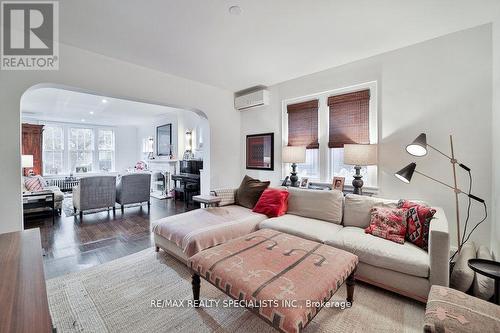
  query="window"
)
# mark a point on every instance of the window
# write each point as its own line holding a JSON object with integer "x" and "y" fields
{"x": 53, "y": 150}
{"x": 303, "y": 131}
{"x": 81, "y": 149}
{"x": 106, "y": 149}
{"x": 325, "y": 122}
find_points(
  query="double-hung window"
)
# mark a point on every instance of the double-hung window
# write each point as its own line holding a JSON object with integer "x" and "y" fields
{"x": 324, "y": 123}
{"x": 53, "y": 150}
{"x": 106, "y": 149}
{"x": 81, "y": 149}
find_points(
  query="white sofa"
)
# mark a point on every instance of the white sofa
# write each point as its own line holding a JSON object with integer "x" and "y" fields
{"x": 330, "y": 218}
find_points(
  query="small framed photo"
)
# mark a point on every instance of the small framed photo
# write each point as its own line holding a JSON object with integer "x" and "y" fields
{"x": 338, "y": 183}
{"x": 304, "y": 182}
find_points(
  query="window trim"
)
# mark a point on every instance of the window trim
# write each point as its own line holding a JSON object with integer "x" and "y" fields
{"x": 67, "y": 151}
{"x": 323, "y": 117}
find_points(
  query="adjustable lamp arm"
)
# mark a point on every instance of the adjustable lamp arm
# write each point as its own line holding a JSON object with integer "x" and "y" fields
{"x": 452, "y": 160}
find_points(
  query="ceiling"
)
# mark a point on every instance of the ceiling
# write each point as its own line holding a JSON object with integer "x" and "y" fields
{"x": 268, "y": 43}
{"x": 52, "y": 104}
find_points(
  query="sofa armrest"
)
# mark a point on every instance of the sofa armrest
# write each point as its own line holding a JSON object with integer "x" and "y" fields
{"x": 439, "y": 249}
{"x": 227, "y": 195}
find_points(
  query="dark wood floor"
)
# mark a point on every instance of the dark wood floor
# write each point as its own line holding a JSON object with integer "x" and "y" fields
{"x": 71, "y": 246}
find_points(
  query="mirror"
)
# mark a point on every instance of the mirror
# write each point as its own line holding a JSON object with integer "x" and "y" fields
{"x": 164, "y": 140}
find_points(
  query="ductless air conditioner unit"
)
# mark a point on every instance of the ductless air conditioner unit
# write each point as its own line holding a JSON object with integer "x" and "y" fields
{"x": 252, "y": 99}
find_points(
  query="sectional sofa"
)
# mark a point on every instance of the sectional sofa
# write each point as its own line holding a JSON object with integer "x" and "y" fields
{"x": 323, "y": 216}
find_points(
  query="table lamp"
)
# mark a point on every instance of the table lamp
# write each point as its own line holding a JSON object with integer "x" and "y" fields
{"x": 26, "y": 161}
{"x": 294, "y": 155}
{"x": 359, "y": 155}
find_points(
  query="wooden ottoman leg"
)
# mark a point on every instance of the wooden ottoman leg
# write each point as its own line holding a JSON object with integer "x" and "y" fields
{"x": 196, "y": 289}
{"x": 350, "y": 283}
{"x": 157, "y": 249}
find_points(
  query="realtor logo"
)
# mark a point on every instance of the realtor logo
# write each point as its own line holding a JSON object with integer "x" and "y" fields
{"x": 30, "y": 34}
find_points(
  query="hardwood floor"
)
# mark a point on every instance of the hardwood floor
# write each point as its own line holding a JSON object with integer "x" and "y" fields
{"x": 71, "y": 246}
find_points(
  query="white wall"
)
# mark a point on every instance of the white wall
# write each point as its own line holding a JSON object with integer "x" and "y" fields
{"x": 441, "y": 87}
{"x": 111, "y": 77}
{"x": 495, "y": 235}
{"x": 148, "y": 129}
{"x": 126, "y": 146}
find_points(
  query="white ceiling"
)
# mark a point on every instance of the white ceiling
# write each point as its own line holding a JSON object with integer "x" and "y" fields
{"x": 51, "y": 104}
{"x": 269, "y": 42}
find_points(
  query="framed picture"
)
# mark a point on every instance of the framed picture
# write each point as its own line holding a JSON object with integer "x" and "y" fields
{"x": 164, "y": 140}
{"x": 338, "y": 183}
{"x": 304, "y": 182}
{"x": 260, "y": 151}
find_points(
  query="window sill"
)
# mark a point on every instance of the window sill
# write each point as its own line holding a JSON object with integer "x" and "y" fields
{"x": 82, "y": 174}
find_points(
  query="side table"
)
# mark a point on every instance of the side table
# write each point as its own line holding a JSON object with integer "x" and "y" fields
{"x": 42, "y": 199}
{"x": 490, "y": 269}
{"x": 207, "y": 200}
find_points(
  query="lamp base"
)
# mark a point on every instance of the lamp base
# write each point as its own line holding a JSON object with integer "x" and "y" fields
{"x": 357, "y": 182}
{"x": 294, "y": 179}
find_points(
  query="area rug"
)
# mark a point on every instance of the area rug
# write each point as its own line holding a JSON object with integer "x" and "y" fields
{"x": 67, "y": 207}
{"x": 116, "y": 297}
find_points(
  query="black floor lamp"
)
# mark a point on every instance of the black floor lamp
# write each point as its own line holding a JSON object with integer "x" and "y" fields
{"x": 419, "y": 148}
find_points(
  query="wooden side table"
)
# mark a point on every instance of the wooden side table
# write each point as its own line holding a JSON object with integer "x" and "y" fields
{"x": 207, "y": 200}
{"x": 42, "y": 199}
{"x": 489, "y": 268}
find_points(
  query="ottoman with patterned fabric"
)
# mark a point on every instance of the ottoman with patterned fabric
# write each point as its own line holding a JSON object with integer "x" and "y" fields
{"x": 282, "y": 278}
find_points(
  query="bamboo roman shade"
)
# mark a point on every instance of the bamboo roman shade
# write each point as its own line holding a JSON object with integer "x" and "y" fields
{"x": 303, "y": 124}
{"x": 349, "y": 121}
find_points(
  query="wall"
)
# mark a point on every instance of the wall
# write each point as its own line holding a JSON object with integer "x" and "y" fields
{"x": 441, "y": 87}
{"x": 148, "y": 129}
{"x": 111, "y": 77}
{"x": 126, "y": 145}
{"x": 495, "y": 235}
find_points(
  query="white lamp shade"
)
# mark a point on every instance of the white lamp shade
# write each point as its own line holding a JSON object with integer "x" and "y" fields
{"x": 27, "y": 161}
{"x": 360, "y": 154}
{"x": 293, "y": 154}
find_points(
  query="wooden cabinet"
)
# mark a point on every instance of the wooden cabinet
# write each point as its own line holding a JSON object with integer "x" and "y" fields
{"x": 32, "y": 145}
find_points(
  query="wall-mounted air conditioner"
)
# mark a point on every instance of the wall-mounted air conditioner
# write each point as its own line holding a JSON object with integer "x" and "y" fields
{"x": 251, "y": 99}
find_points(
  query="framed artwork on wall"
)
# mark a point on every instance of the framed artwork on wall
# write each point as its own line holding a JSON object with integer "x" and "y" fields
{"x": 164, "y": 140}
{"x": 260, "y": 151}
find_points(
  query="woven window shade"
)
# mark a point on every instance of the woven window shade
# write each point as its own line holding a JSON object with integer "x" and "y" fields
{"x": 303, "y": 124}
{"x": 349, "y": 122}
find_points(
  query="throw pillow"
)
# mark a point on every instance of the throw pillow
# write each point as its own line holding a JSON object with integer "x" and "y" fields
{"x": 388, "y": 223}
{"x": 418, "y": 220}
{"x": 250, "y": 191}
{"x": 462, "y": 275}
{"x": 33, "y": 184}
{"x": 272, "y": 202}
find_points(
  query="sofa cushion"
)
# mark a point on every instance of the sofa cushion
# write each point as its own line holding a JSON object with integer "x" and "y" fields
{"x": 404, "y": 258}
{"x": 250, "y": 191}
{"x": 357, "y": 209}
{"x": 272, "y": 203}
{"x": 483, "y": 286}
{"x": 316, "y": 204}
{"x": 312, "y": 229}
{"x": 462, "y": 275}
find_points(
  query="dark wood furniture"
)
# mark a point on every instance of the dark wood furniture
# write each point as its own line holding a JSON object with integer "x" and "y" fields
{"x": 32, "y": 141}
{"x": 23, "y": 297}
{"x": 489, "y": 268}
{"x": 189, "y": 185}
{"x": 42, "y": 199}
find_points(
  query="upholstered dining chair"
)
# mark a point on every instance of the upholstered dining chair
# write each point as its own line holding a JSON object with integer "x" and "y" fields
{"x": 93, "y": 193}
{"x": 134, "y": 188}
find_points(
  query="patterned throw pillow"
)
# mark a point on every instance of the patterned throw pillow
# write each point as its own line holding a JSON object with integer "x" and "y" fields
{"x": 418, "y": 220}
{"x": 388, "y": 223}
{"x": 34, "y": 184}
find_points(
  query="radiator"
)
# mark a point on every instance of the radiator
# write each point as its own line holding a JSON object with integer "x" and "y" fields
{"x": 64, "y": 184}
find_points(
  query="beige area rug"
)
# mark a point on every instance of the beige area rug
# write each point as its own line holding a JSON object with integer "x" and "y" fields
{"x": 116, "y": 297}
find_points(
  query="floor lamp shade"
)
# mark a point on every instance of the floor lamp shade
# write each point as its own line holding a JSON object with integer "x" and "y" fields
{"x": 358, "y": 154}
{"x": 406, "y": 173}
{"x": 419, "y": 146}
{"x": 26, "y": 161}
{"x": 293, "y": 154}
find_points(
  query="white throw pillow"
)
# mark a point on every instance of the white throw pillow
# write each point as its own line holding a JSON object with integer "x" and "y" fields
{"x": 483, "y": 286}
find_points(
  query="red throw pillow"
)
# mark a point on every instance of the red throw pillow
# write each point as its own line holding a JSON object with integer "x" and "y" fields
{"x": 418, "y": 220}
{"x": 272, "y": 203}
{"x": 388, "y": 223}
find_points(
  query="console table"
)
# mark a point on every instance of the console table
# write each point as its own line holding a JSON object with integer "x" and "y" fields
{"x": 23, "y": 297}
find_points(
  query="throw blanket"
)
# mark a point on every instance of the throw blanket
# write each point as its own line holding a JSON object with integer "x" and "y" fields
{"x": 200, "y": 229}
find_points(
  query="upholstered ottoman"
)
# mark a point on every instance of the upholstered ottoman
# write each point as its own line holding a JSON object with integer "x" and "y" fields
{"x": 282, "y": 278}
{"x": 450, "y": 310}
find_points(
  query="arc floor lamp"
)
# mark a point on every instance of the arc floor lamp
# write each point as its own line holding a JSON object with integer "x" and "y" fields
{"x": 419, "y": 148}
